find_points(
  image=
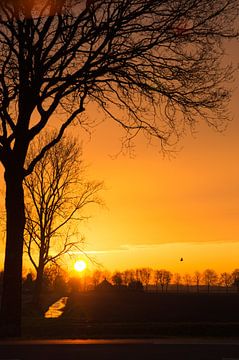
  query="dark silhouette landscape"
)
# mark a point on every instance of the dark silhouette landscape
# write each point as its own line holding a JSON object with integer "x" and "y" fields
{"x": 117, "y": 313}
{"x": 155, "y": 70}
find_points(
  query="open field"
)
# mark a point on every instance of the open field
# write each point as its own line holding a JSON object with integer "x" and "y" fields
{"x": 153, "y": 307}
{"x": 140, "y": 315}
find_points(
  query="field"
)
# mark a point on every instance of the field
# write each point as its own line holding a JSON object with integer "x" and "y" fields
{"x": 142, "y": 315}
{"x": 142, "y": 306}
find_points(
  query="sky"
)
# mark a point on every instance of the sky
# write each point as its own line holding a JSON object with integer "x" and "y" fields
{"x": 159, "y": 209}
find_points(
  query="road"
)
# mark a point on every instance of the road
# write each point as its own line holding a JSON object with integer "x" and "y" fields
{"x": 153, "y": 349}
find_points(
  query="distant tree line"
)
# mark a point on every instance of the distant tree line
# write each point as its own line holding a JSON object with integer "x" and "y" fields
{"x": 160, "y": 280}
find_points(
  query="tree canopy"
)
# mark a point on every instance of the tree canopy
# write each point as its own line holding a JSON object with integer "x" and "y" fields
{"x": 57, "y": 193}
{"x": 152, "y": 66}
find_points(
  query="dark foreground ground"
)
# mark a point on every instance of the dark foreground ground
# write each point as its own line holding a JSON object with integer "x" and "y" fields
{"x": 139, "y": 315}
{"x": 74, "y": 329}
{"x": 119, "y": 306}
{"x": 155, "y": 326}
{"x": 152, "y": 350}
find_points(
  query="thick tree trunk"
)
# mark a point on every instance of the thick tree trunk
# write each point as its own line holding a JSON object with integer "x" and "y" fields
{"x": 10, "y": 321}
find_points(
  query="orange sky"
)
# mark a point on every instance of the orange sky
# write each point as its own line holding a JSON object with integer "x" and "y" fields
{"x": 160, "y": 209}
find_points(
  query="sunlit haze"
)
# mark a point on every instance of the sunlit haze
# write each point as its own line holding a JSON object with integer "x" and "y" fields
{"x": 161, "y": 208}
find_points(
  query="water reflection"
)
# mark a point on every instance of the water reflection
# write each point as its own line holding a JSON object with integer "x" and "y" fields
{"x": 56, "y": 309}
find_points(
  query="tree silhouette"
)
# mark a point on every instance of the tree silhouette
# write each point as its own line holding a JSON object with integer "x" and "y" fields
{"x": 57, "y": 194}
{"x": 54, "y": 279}
{"x": 127, "y": 276}
{"x": 134, "y": 58}
{"x": 226, "y": 280}
{"x": 197, "y": 277}
{"x": 28, "y": 283}
{"x": 135, "y": 285}
{"x": 117, "y": 279}
{"x": 97, "y": 277}
{"x": 235, "y": 277}
{"x": 177, "y": 280}
{"x": 163, "y": 278}
{"x": 144, "y": 275}
{"x": 210, "y": 278}
{"x": 187, "y": 278}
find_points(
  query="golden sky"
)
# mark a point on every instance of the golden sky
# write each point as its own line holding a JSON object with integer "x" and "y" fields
{"x": 161, "y": 209}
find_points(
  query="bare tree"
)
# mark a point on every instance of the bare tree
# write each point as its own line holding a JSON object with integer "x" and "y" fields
{"x": 197, "y": 277}
{"x": 55, "y": 279}
{"x": 177, "y": 280}
{"x": 96, "y": 278}
{"x": 226, "y": 280}
{"x": 187, "y": 281}
{"x": 235, "y": 277}
{"x": 117, "y": 278}
{"x": 210, "y": 278}
{"x": 127, "y": 276}
{"x": 144, "y": 275}
{"x": 57, "y": 194}
{"x": 164, "y": 277}
{"x": 152, "y": 66}
{"x": 157, "y": 276}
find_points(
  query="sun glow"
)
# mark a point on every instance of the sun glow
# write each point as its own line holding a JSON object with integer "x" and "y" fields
{"x": 80, "y": 265}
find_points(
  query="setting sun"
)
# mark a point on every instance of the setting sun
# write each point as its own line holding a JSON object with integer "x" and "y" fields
{"x": 80, "y": 265}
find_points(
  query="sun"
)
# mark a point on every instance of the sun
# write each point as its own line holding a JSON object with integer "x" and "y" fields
{"x": 80, "y": 265}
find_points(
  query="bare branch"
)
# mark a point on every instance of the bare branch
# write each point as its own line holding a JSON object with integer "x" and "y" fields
{"x": 153, "y": 66}
{"x": 57, "y": 195}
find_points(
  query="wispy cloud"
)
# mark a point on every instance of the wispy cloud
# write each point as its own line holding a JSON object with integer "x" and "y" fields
{"x": 144, "y": 247}
{"x": 96, "y": 252}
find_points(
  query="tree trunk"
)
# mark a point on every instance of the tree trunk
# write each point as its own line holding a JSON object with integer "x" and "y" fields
{"x": 38, "y": 288}
{"x": 10, "y": 323}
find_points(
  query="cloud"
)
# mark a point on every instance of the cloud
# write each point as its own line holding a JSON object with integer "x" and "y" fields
{"x": 98, "y": 252}
{"x": 138, "y": 247}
